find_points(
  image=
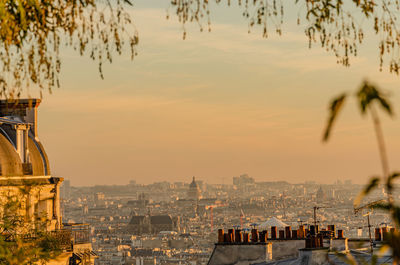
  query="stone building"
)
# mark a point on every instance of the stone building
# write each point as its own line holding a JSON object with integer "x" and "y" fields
{"x": 194, "y": 192}
{"x": 25, "y": 175}
{"x": 146, "y": 224}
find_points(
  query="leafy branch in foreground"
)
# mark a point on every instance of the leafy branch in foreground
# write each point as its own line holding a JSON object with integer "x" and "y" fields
{"x": 33, "y": 32}
{"x": 338, "y": 26}
{"x": 368, "y": 98}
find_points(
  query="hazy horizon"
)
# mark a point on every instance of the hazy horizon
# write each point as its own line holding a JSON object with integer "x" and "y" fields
{"x": 214, "y": 106}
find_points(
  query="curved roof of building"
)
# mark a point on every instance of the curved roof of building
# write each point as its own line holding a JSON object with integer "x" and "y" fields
{"x": 9, "y": 159}
{"x": 11, "y": 163}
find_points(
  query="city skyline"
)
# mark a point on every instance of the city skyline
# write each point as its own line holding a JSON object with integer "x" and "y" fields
{"x": 215, "y": 105}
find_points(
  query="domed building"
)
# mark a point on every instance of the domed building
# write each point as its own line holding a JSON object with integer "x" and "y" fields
{"x": 21, "y": 153}
{"x": 194, "y": 192}
{"x": 25, "y": 174}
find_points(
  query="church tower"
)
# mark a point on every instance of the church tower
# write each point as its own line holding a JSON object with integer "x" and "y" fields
{"x": 194, "y": 192}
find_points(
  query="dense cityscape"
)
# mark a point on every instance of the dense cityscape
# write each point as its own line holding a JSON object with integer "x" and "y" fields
{"x": 177, "y": 223}
{"x": 197, "y": 132}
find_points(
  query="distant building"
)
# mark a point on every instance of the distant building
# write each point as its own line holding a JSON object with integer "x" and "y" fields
{"x": 99, "y": 199}
{"x": 65, "y": 189}
{"x": 194, "y": 192}
{"x": 140, "y": 203}
{"x": 132, "y": 182}
{"x": 146, "y": 224}
{"x": 348, "y": 182}
{"x": 243, "y": 180}
{"x": 320, "y": 195}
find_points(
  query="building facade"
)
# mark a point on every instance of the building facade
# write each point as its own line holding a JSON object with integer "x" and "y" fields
{"x": 25, "y": 179}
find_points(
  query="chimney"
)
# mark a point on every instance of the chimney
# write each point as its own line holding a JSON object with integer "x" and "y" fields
{"x": 378, "y": 236}
{"x": 220, "y": 235}
{"x": 246, "y": 238}
{"x": 301, "y": 232}
{"x": 294, "y": 234}
{"x": 238, "y": 236}
{"x": 288, "y": 232}
{"x": 385, "y": 233}
{"x": 281, "y": 234}
{"x": 233, "y": 251}
{"x": 254, "y": 235}
{"x": 313, "y": 230}
{"x": 332, "y": 228}
{"x": 231, "y": 235}
{"x": 263, "y": 236}
{"x": 273, "y": 232}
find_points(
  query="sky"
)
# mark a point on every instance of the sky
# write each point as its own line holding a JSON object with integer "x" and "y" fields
{"x": 214, "y": 106}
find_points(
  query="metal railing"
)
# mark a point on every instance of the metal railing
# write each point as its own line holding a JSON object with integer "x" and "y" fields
{"x": 80, "y": 233}
{"x": 72, "y": 234}
{"x": 66, "y": 237}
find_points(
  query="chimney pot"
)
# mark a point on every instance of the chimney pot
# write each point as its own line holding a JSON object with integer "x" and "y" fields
{"x": 220, "y": 235}
{"x": 254, "y": 235}
{"x": 340, "y": 233}
{"x": 245, "y": 237}
{"x": 273, "y": 232}
{"x": 378, "y": 234}
{"x": 281, "y": 234}
{"x": 238, "y": 236}
{"x": 288, "y": 232}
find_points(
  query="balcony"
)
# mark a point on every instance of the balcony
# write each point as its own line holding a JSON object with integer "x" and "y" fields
{"x": 71, "y": 235}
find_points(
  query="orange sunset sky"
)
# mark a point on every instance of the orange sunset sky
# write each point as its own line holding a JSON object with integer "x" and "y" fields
{"x": 213, "y": 106}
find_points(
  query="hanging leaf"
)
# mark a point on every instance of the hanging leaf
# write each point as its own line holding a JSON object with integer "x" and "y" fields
{"x": 390, "y": 180}
{"x": 369, "y": 94}
{"x": 335, "y": 107}
{"x": 374, "y": 182}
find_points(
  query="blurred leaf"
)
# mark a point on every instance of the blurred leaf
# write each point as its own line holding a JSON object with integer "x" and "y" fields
{"x": 392, "y": 177}
{"x": 369, "y": 94}
{"x": 382, "y": 206}
{"x": 374, "y": 182}
{"x": 335, "y": 107}
{"x": 396, "y": 215}
{"x": 383, "y": 250}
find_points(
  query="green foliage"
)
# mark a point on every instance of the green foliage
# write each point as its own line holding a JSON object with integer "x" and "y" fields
{"x": 335, "y": 107}
{"x": 337, "y": 26}
{"x": 33, "y": 32}
{"x": 23, "y": 242}
{"x": 368, "y": 96}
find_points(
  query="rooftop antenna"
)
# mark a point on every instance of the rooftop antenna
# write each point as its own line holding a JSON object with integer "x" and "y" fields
{"x": 301, "y": 221}
{"x": 241, "y": 218}
{"x": 315, "y": 213}
{"x": 368, "y": 206}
